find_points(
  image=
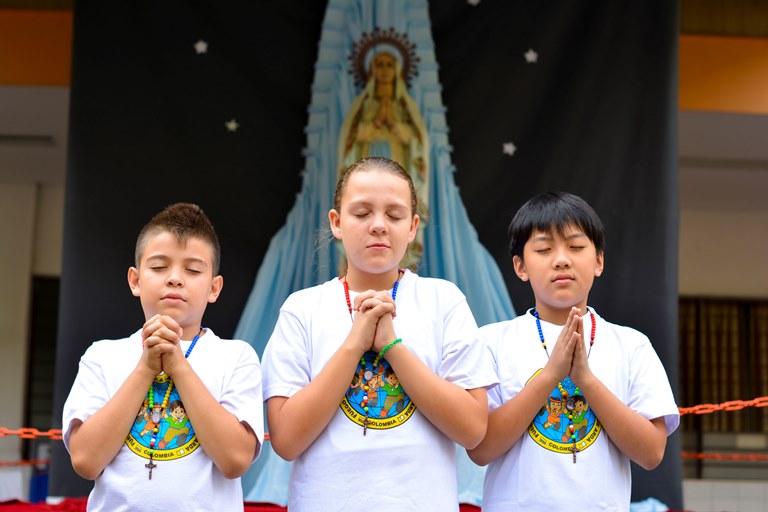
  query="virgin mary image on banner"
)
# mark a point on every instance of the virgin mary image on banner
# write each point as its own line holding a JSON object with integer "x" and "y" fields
{"x": 376, "y": 92}
{"x": 384, "y": 120}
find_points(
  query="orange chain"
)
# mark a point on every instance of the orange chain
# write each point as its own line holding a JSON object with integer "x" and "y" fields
{"x": 10, "y": 464}
{"x": 31, "y": 433}
{"x": 732, "y": 405}
{"x": 725, "y": 456}
{"x": 54, "y": 433}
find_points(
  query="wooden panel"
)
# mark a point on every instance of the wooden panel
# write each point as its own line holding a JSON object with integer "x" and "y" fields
{"x": 35, "y": 47}
{"x": 723, "y": 74}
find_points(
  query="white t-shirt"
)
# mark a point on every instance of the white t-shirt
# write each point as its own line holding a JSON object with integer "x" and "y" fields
{"x": 538, "y": 472}
{"x": 184, "y": 478}
{"x": 403, "y": 462}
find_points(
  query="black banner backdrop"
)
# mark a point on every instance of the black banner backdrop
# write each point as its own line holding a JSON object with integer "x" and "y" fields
{"x": 547, "y": 95}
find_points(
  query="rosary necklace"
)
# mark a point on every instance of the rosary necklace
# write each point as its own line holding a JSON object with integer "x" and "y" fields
{"x": 368, "y": 374}
{"x": 571, "y": 432}
{"x": 155, "y": 416}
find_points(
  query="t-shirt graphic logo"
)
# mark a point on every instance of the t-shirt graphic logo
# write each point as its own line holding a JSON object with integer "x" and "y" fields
{"x": 388, "y": 403}
{"x": 175, "y": 435}
{"x": 566, "y": 406}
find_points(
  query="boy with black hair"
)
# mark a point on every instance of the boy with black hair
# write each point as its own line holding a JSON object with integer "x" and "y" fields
{"x": 616, "y": 401}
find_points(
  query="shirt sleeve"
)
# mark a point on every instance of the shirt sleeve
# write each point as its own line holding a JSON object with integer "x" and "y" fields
{"x": 650, "y": 393}
{"x": 489, "y": 335}
{"x": 286, "y": 362}
{"x": 243, "y": 395}
{"x": 87, "y": 395}
{"x": 465, "y": 361}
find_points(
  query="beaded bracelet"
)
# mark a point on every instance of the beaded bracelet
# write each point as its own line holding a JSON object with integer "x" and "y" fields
{"x": 381, "y": 354}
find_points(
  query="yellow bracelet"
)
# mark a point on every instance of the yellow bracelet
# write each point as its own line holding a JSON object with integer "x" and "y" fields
{"x": 383, "y": 351}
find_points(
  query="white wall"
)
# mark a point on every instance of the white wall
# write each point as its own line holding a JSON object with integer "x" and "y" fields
{"x": 33, "y": 141}
{"x": 723, "y": 205}
{"x": 17, "y": 214}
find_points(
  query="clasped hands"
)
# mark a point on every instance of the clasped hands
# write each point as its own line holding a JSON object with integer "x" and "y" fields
{"x": 161, "y": 342}
{"x": 374, "y": 312}
{"x": 569, "y": 355}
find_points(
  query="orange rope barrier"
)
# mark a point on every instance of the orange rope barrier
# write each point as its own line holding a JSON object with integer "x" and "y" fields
{"x": 31, "y": 433}
{"x": 732, "y": 405}
{"x": 16, "y": 463}
{"x": 725, "y": 456}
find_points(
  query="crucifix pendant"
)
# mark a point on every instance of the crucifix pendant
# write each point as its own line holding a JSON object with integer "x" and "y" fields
{"x": 365, "y": 425}
{"x": 574, "y": 450}
{"x": 151, "y": 466}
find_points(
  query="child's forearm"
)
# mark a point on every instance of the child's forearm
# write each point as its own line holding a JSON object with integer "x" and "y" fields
{"x": 640, "y": 439}
{"x": 440, "y": 401}
{"x": 94, "y": 443}
{"x": 509, "y": 422}
{"x": 229, "y": 443}
{"x": 290, "y": 430}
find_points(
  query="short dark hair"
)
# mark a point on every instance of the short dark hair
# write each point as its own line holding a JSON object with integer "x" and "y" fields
{"x": 184, "y": 220}
{"x": 554, "y": 211}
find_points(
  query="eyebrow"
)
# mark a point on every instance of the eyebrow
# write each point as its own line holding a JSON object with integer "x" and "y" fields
{"x": 369, "y": 204}
{"x": 163, "y": 257}
{"x": 547, "y": 236}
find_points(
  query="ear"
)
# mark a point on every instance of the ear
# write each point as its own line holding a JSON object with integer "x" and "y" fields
{"x": 600, "y": 264}
{"x": 133, "y": 281}
{"x": 217, "y": 283}
{"x": 520, "y": 270}
{"x": 414, "y": 228}
{"x": 334, "y": 219}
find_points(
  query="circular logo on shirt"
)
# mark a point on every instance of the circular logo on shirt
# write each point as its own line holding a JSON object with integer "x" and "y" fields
{"x": 175, "y": 437}
{"x": 375, "y": 386}
{"x": 565, "y": 423}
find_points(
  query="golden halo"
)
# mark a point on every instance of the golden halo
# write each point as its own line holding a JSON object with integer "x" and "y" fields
{"x": 368, "y": 41}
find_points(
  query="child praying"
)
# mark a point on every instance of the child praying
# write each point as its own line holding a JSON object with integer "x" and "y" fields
{"x": 171, "y": 414}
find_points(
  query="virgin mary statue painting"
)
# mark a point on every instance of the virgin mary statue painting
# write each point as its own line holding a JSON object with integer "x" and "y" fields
{"x": 384, "y": 120}
{"x": 376, "y": 92}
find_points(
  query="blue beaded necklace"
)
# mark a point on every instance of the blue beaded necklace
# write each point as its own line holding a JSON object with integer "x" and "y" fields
{"x": 157, "y": 416}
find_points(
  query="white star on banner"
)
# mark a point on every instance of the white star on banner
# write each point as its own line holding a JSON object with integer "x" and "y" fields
{"x": 232, "y": 125}
{"x": 531, "y": 56}
{"x": 201, "y": 47}
{"x": 508, "y": 148}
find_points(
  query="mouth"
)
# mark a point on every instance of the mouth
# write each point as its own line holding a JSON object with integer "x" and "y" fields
{"x": 378, "y": 246}
{"x": 173, "y": 297}
{"x": 562, "y": 278}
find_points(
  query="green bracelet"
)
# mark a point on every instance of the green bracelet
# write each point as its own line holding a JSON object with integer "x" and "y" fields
{"x": 384, "y": 350}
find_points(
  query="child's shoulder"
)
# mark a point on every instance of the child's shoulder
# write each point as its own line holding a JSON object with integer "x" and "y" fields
{"x": 628, "y": 336}
{"x": 228, "y": 347}
{"x": 434, "y": 284}
{"x": 314, "y": 293}
{"x": 112, "y": 346}
{"x": 503, "y": 328}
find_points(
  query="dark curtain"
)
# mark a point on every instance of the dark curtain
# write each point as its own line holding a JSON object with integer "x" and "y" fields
{"x": 594, "y": 115}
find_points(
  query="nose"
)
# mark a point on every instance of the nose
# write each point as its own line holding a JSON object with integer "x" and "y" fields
{"x": 562, "y": 259}
{"x": 174, "y": 277}
{"x": 378, "y": 224}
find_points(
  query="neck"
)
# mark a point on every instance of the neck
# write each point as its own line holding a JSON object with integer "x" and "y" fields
{"x": 359, "y": 281}
{"x": 385, "y": 90}
{"x": 558, "y": 316}
{"x": 191, "y": 331}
